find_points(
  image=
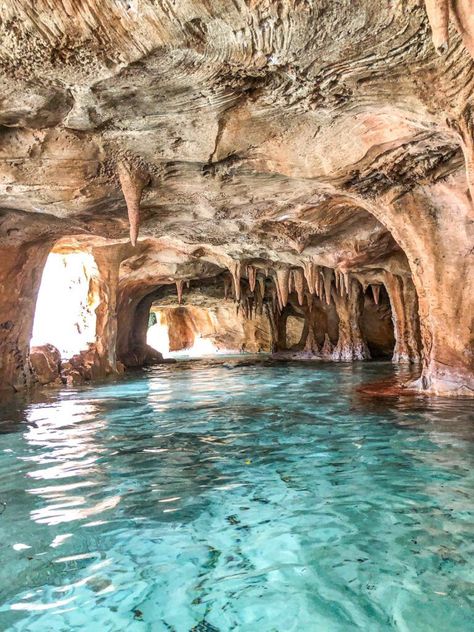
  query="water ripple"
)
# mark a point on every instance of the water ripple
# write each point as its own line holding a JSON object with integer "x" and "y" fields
{"x": 237, "y": 496}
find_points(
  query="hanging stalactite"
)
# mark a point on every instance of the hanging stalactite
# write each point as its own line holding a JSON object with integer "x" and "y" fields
{"x": 376, "y": 293}
{"x": 309, "y": 273}
{"x": 252, "y": 276}
{"x": 179, "y": 290}
{"x": 318, "y": 282}
{"x": 282, "y": 283}
{"x": 132, "y": 180}
{"x": 327, "y": 278}
{"x": 291, "y": 282}
{"x": 298, "y": 279}
{"x": 438, "y": 16}
{"x": 234, "y": 269}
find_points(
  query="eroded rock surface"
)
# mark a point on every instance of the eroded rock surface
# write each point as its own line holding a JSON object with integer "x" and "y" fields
{"x": 296, "y": 149}
{"x": 46, "y": 364}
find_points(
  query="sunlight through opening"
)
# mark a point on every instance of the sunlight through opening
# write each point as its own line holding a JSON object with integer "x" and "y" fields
{"x": 158, "y": 338}
{"x": 65, "y": 310}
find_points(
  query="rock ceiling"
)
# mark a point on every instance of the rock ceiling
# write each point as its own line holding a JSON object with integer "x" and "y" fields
{"x": 271, "y": 131}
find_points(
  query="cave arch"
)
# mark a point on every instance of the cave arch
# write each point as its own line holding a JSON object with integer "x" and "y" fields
{"x": 434, "y": 226}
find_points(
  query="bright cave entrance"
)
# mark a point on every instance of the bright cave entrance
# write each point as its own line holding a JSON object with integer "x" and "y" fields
{"x": 65, "y": 314}
{"x": 205, "y": 321}
{"x": 182, "y": 332}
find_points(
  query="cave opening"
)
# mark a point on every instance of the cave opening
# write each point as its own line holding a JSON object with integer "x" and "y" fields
{"x": 65, "y": 313}
{"x": 202, "y": 318}
{"x": 377, "y": 323}
{"x": 182, "y": 331}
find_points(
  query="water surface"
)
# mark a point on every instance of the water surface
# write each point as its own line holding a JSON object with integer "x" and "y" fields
{"x": 258, "y": 497}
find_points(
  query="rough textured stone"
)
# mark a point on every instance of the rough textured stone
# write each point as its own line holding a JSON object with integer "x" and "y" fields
{"x": 46, "y": 363}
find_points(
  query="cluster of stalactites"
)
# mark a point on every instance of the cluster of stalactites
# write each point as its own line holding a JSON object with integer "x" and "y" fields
{"x": 307, "y": 282}
{"x": 248, "y": 298}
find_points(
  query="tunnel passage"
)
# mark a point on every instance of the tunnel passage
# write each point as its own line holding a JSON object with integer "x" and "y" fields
{"x": 202, "y": 320}
{"x": 377, "y": 324}
{"x": 339, "y": 321}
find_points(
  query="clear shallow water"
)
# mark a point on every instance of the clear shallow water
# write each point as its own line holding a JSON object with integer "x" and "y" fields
{"x": 254, "y": 498}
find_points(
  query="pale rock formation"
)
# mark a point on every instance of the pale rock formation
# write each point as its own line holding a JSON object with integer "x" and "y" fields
{"x": 351, "y": 344}
{"x": 133, "y": 180}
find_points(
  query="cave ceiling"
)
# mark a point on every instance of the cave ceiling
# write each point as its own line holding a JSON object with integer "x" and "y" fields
{"x": 270, "y": 131}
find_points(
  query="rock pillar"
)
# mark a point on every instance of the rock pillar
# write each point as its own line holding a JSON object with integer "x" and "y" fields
{"x": 21, "y": 268}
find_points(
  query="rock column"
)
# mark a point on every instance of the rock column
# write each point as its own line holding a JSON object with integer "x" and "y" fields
{"x": 351, "y": 344}
{"x": 21, "y": 268}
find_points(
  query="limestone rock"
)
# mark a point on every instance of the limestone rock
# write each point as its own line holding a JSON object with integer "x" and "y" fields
{"x": 46, "y": 363}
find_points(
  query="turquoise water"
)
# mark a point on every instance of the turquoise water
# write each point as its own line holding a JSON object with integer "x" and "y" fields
{"x": 257, "y": 497}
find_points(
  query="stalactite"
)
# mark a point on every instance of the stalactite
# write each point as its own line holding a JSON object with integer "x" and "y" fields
{"x": 438, "y": 16}
{"x": 376, "y": 293}
{"x": 327, "y": 275}
{"x": 252, "y": 276}
{"x": 282, "y": 281}
{"x": 298, "y": 279}
{"x": 291, "y": 282}
{"x": 318, "y": 286}
{"x": 179, "y": 290}
{"x": 227, "y": 286}
{"x": 347, "y": 281}
{"x": 261, "y": 285}
{"x": 188, "y": 284}
{"x": 309, "y": 273}
{"x": 337, "y": 281}
{"x": 440, "y": 11}
{"x": 132, "y": 180}
{"x": 234, "y": 269}
{"x": 463, "y": 14}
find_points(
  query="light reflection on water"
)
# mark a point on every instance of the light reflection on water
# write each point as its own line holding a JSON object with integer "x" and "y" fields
{"x": 242, "y": 496}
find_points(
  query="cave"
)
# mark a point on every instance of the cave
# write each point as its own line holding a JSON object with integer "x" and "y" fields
{"x": 236, "y": 314}
{"x": 377, "y": 324}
